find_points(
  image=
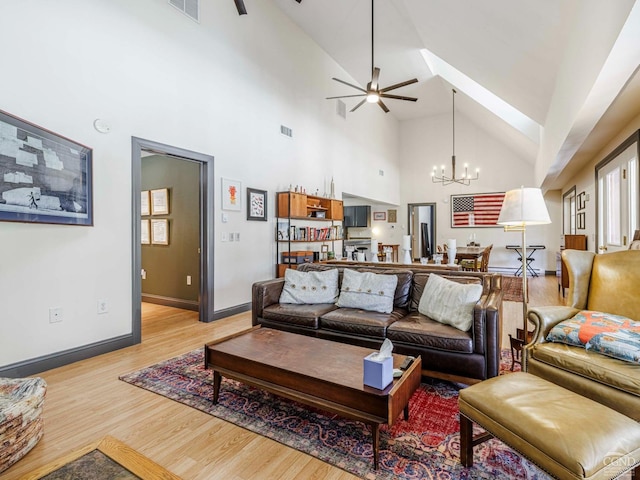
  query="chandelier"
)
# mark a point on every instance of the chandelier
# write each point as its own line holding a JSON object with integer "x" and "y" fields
{"x": 465, "y": 179}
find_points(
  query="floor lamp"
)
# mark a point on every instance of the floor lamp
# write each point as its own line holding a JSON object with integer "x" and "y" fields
{"x": 523, "y": 207}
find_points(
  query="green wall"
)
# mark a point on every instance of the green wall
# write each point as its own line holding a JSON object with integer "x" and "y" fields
{"x": 167, "y": 266}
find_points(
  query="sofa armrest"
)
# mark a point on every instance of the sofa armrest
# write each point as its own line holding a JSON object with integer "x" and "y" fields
{"x": 487, "y": 328}
{"x": 545, "y": 318}
{"x": 264, "y": 294}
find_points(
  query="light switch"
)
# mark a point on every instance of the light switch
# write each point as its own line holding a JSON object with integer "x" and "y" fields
{"x": 225, "y": 236}
{"x": 225, "y": 217}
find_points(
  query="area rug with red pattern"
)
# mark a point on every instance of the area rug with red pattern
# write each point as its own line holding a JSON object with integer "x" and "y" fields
{"x": 425, "y": 447}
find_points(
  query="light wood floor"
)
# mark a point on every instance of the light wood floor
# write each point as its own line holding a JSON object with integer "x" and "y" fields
{"x": 86, "y": 401}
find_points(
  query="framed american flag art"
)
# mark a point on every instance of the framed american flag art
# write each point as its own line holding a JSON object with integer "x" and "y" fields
{"x": 476, "y": 210}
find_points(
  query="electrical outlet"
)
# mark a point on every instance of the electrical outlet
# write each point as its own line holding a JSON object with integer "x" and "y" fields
{"x": 188, "y": 279}
{"x": 55, "y": 314}
{"x": 103, "y": 307}
{"x": 144, "y": 274}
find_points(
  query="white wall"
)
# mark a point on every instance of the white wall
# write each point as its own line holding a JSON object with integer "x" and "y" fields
{"x": 221, "y": 87}
{"x": 426, "y": 142}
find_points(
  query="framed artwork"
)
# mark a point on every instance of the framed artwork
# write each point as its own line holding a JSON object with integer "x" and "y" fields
{"x": 582, "y": 201}
{"x": 231, "y": 194}
{"x": 159, "y": 231}
{"x": 145, "y": 238}
{"x": 160, "y": 201}
{"x": 46, "y": 178}
{"x": 580, "y": 221}
{"x": 392, "y": 216}
{"x": 380, "y": 216}
{"x": 256, "y": 204}
{"x": 476, "y": 210}
{"x": 145, "y": 209}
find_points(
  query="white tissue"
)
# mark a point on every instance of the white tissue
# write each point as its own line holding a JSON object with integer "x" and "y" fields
{"x": 386, "y": 349}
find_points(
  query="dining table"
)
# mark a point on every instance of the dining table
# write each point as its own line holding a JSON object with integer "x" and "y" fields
{"x": 469, "y": 253}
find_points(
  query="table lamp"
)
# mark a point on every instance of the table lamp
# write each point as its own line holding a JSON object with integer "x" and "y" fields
{"x": 523, "y": 207}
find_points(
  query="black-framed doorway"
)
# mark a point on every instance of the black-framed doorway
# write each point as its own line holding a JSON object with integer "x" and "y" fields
{"x": 207, "y": 235}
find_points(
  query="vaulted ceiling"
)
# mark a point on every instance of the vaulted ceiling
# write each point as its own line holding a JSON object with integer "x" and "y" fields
{"x": 521, "y": 52}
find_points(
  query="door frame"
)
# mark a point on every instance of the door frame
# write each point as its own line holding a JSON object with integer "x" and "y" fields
{"x": 434, "y": 214}
{"x": 207, "y": 234}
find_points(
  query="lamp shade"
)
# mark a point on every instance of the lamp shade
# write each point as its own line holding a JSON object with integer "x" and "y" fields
{"x": 523, "y": 206}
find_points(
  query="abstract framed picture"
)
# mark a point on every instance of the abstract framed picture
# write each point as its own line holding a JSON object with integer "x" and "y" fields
{"x": 476, "y": 210}
{"x": 231, "y": 195}
{"x": 256, "y": 204}
{"x": 44, "y": 177}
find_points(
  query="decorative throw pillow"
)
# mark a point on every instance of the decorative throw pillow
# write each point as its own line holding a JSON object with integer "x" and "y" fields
{"x": 368, "y": 291}
{"x": 310, "y": 287}
{"x": 449, "y": 302}
{"x": 579, "y": 329}
{"x": 623, "y": 345}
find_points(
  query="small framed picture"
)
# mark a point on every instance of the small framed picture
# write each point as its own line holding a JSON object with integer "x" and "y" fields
{"x": 160, "y": 201}
{"x": 580, "y": 221}
{"x": 256, "y": 204}
{"x": 145, "y": 209}
{"x": 145, "y": 238}
{"x": 159, "y": 231}
{"x": 392, "y": 216}
{"x": 380, "y": 216}
{"x": 231, "y": 191}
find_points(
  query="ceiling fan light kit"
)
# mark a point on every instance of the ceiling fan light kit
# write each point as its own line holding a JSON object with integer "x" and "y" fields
{"x": 466, "y": 178}
{"x": 373, "y": 93}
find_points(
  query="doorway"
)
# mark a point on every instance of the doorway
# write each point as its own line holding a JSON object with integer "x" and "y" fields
{"x": 422, "y": 228}
{"x": 140, "y": 148}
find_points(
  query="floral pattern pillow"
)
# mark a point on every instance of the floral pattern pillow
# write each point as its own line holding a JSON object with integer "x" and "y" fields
{"x": 623, "y": 344}
{"x": 585, "y": 325}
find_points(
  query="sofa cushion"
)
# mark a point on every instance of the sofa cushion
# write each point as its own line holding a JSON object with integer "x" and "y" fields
{"x": 608, "y": 371}
{"x": 300, "y": 315}
{"x": 354, "y": 321}
{"x": 417, "y": 329}
{"x": 368, "y": 291}
{"x": 309, "y": 287}
{"x": 579, "y": 329}
{"x": 420, "y": 279}
{"x": 449, "y": 302}
{"x": 402, "y": 295}
{"x": 622, "y": 344}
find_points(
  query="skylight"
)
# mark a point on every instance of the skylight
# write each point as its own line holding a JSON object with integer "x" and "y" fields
{"x": 484, "y": 97}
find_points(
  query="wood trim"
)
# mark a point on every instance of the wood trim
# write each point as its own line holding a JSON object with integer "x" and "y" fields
{"x": 117, "y": 451}
{"x": 192, "y": 305}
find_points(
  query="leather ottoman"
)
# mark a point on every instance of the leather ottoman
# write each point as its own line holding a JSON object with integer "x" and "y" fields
{"x": 567, "y": 435}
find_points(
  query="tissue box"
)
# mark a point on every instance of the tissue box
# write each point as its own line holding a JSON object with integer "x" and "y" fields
{"x": 378, "y": 373}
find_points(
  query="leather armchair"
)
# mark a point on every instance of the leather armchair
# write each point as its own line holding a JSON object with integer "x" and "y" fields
{"x": 605, "y": 283}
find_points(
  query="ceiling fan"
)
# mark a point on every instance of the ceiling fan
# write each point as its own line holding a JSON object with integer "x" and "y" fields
{"x": 242, "y": 10}
{"x": 373, "y": 92}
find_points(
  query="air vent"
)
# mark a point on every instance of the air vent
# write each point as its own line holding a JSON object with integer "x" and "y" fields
{"x": 286, "y": 131}
{"x": 341, "y": 108}
{"x": 191, "y": 8}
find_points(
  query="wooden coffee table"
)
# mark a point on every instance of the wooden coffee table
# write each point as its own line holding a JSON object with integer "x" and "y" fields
{"x": 319, "y": 373}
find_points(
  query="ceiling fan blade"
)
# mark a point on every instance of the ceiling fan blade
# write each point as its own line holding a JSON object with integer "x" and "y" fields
{"x": 242, "y": 10}
{"x": 398, "y": 85}
{"x": 349, "y": 84}
{"x": 399, "y": 97}
{"x": 373, "y": 85}
{"x": 383, "y": 106}
{"x": 358, "y": 105}
{"x": 347, "y": 96}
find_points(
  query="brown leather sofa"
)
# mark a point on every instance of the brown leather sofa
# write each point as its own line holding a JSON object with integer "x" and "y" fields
{"x": 607, "y": 283}
{"x": 446, "y": 352}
